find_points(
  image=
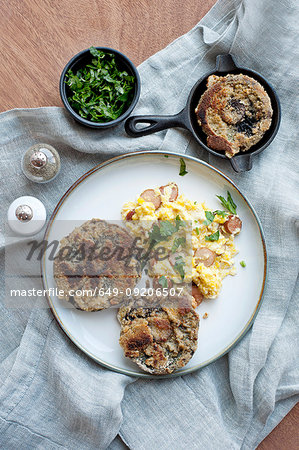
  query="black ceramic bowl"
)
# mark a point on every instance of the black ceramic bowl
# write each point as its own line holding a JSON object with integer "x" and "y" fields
{"x": 80, "y": 60}
{"x": 186, "y": 118}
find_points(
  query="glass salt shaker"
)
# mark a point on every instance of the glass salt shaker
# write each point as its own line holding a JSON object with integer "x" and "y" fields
{"x": 41, "y": 163}
{"x": 26, "y": 215}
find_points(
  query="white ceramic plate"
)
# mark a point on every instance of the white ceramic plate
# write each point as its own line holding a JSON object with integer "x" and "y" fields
{"x": 101, "y": 193}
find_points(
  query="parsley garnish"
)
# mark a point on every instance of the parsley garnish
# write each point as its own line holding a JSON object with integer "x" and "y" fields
{"x": 243, "y": 264}
{"x": 177, "y": 242}
{"x": 163, "y": 281}
{"x": 166, "y": 229}
{"x": 179, "y": 266}
{"x": 183, "y": 170}
{"x": 229, "y": 203}
{"x": 180, "y": 222}
{"x": 197, "y": 230}
{"x": 160, "y": 233}
{"x": 213, "y": 237}
{"x": 100, "y": 91}
{"x": 209, "y": 217}
{"x": 220, "y": 213}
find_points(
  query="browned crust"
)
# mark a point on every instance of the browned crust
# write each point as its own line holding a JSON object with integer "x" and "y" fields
{"x": 205, "y": 103}
{"x": 220, "y": 144}
{"x": 214, "y": 99}
{"x": 159, "y": 339}
{"x": 92, "y": 272}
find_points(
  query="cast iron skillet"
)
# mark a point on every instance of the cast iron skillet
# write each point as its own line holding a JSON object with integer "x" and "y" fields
{"x": 187, "y": 119}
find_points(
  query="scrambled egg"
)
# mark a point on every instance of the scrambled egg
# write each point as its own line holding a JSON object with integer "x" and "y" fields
{"x": 215, "y": 259}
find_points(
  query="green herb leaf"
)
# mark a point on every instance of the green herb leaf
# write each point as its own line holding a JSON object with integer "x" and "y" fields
{"x": 94, "y": 51}
{"x": 177, "y": 242}
{"x": 167, "y": 228}
{"x": 179, "y": 222}
{"x": 164, "y": 230}
{"x": 232, "y": 203}
{"x": 166, "y": 156}
{"x": 220, "y": 213}
{"x": 183, "y": 170}
{"x": 229, "y": 203}
{"x": 155, "y": 235}
{"x": 213, "y": 237}
{"x": 243, "y": 264}
{"x": 179, "y": 266}
{"x": 163, "y": 281}
{"x": 100, "y": 91}
{"x": 209, "y": 217}
{"x": 197, "y": 230}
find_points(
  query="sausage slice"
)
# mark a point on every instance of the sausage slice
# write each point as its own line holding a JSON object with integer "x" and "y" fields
{"x": 130, "y": 214}
{"x": 233, "y": 224}
{"x": 174, "y": 191}
{"x": 205, "y": 255}
{"x": 149, "y": 195}
{"x": 196, "y": 294}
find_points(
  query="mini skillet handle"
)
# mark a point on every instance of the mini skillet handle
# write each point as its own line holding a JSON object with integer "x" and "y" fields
{"x": 156, "y": 123}
{"x": 225, "y": 63}
{"x": 241, "y": 163}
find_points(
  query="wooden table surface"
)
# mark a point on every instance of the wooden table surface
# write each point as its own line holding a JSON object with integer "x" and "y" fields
{"x": 38, "y": 37}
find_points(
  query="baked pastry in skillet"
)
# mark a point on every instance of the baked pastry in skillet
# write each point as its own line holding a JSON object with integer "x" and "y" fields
{"x": 234, "y": 112}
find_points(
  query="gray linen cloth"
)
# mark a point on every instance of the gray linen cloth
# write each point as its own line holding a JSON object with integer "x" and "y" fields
{"x": 51, "y": 395}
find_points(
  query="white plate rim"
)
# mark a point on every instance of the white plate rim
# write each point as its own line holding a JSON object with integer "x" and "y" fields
{"x": 127, "y": 371}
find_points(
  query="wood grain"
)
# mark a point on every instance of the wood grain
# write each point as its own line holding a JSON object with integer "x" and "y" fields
{"x": 286, "y": 435}
{"x": 38, "y": 37}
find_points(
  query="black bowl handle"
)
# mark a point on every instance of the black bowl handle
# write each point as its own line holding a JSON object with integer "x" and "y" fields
{"x": 241, "y": 163}
{"x": 156, "y": 123}
{"x": 225, "y": 63}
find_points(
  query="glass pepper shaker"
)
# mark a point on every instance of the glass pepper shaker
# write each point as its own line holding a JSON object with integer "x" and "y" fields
{"x": 41, "y": 163}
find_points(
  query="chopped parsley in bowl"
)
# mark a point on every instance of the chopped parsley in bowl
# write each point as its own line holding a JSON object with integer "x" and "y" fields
{"x": 100, "y": 87}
